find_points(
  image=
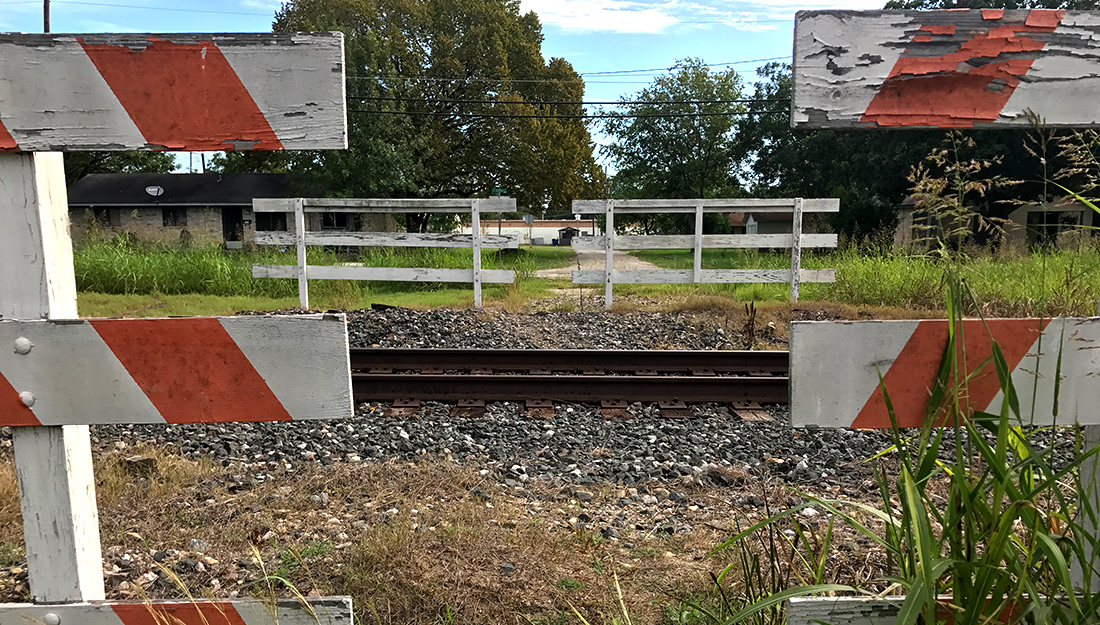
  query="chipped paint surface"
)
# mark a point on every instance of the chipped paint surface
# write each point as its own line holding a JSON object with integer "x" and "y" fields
{"x": 945, "y": 69}
{"x": 255, "y": 91}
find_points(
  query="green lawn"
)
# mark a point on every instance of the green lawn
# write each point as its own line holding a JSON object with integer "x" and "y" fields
{"x": 1057, "y": 282}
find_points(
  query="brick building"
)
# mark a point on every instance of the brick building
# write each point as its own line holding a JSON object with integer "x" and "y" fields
{"x": 211, "y": 207}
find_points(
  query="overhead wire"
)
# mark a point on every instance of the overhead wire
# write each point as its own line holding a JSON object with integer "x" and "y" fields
{"x": 564, "y": 102}
{"x": 560, "y": 116}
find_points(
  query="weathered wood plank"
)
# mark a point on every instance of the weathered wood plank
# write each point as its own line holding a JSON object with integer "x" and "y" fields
{"x": 136, "y": 370}
{"x": 957, "y": 69}
{"x": 252, "y": 91}
{"x": 796, "y": 250}
{"x": 319, "y": 611}
{"x": 843, "y": 611}
{"x": 835, "y": 380}
{"x": 722, "y": 205}
{"x": 391, "y": 239}
{"x": 385, "y": 205}
{"x": 709, "y": 276}
{"x": 714, "y": 241}
{"x": 53, "y": 464}
{"x": 387, "y": 274}
{"x": 300, "y": 250}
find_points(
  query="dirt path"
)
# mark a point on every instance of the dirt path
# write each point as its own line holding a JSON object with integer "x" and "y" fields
{"x": 596, "y": 259}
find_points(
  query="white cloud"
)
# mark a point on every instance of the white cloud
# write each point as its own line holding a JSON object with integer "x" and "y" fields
{"x": 263, "y": 5}
{"x": 656, "y": 16}
{"x": 618, "y": 16}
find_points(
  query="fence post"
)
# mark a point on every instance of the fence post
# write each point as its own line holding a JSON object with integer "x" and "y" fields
{"x": 609, "y": 264}
{"x": 697, "y": 270}
{"x": 1090, "y": 491}
{"x": 300, "y": 243}
{"x": 475, "y": 243}
{"x": 796, "y": 249}
{"x": 53, "y": 464}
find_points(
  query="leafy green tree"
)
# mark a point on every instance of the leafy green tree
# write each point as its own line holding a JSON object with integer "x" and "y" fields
{"x": 677, "y": 139}
{"x": 449, "y": 98}
{"x": 80, "y": 164}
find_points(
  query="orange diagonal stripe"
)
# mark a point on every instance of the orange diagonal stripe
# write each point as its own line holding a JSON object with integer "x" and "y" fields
{"x": 183, "y": 96}
{"x": 191, "y": 370}
{"x": 12, "y": 409}
{"x": 7, "y": 142}
{"x": 199, "y": 613}
{"x": 909, "y": 379}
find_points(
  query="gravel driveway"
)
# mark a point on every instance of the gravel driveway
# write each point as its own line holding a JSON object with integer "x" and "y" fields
{"x": 596, "y": 259}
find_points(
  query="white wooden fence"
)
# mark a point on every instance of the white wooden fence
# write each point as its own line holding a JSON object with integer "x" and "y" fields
{"x": 299, "y": 237}
{"x": 795, "y": 240}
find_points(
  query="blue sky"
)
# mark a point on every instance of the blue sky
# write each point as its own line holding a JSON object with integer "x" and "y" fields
{"x": 594, "y": 35}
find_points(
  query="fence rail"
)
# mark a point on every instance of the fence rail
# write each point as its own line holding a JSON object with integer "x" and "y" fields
{"x": 300, "y": 238}
{"x": 795, "y": 240}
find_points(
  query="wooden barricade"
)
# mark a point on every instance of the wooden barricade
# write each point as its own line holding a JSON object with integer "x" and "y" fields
{"x": 58, "y": 374}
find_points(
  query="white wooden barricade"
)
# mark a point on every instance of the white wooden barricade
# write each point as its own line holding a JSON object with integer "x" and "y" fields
{"x": 298, "y": 207}
{"x": 121, "y": 92}
{"x": 795, "y": 240}
{"x": 987, "y": 68}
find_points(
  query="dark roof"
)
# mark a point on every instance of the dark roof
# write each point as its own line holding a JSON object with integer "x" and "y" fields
{"x": 179, "y": 189}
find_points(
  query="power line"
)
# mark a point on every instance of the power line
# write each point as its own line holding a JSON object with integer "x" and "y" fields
{"x": 669, "y": 69}
{"x": 564, "y": 103}
{"x": 147, "y": 8}
{"x": 556, "y": 116}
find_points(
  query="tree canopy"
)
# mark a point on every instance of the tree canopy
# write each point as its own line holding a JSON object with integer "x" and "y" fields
{"x": 80, "y": 164}
{"x": 446, "y": 98}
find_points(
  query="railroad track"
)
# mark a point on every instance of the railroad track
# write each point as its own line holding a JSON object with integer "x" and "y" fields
{"x": 612, "y": 378}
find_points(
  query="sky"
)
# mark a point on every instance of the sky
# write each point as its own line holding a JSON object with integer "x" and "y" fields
{"x": 596, "y": 36}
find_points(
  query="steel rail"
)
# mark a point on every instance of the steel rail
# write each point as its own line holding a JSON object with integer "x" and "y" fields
{"x": 570, "y": 360}
{"x": 579, "y": 388}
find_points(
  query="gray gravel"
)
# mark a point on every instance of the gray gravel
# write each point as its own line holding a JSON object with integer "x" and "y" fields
{"x": 578, "y": 445}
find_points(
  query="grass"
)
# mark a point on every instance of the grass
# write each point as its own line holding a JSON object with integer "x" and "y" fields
{"x": 126, "y": 277}
{"x": 1040, "y": 283}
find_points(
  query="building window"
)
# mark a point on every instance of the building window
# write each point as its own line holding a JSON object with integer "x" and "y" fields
{"x": 272, "y": 222}
{"x": 174, "y": 216}
{"x": 336, "y": 221}
{"x": 106, "y": 217}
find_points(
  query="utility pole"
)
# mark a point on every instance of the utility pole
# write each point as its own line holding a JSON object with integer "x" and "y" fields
{"x": 46, "y": 16}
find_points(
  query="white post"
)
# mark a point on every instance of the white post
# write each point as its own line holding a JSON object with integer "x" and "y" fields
{"x": 1090, "y": 483}
{"x": 53, "y": 464}
{"x": 697, "y": 273}
{"x": 475, "y": 216}
{"x": 796, "y": 249}
{"x": 609, "y": 264}
{"x": 300, "y": 243}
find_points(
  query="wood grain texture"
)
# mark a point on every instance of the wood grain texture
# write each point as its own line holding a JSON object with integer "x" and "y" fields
{"x": 53, "y": 464}
{"x": 709, "y": 276}
{"x": 713, "y": 241}
{"x": 387, "y": 274}
{"x": 266, "y": 91}
{"x": 181, "y": 370}
{"x": 945, "y": 69}
{"x": 319, "y": 611}
{"x": 835, "y": 381}
{"x": 385, "y": 205}
{"x": 391, "y": 239}
{"x": 722, "y": 205}
{"x": 842, "y": 611}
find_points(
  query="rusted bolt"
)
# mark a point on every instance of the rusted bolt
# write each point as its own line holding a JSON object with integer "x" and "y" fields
{"x": 51, "y": 619}
{"x": 27, "y": 397}
{"x": 23, "y": 345}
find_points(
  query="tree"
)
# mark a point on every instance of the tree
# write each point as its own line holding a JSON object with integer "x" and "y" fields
{"x": 80, "y": 164}
{"x": 449, "y": 98}
{"x": 676, "y": 139}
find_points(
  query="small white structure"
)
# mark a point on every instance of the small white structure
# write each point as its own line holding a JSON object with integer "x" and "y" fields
{"x": 539, "y": 232}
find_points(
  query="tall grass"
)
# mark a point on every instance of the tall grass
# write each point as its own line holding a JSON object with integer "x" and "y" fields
{"x": 973, "y": 509}
{"x": 1052, "y": 282}
{"x": 125, "y": 266}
